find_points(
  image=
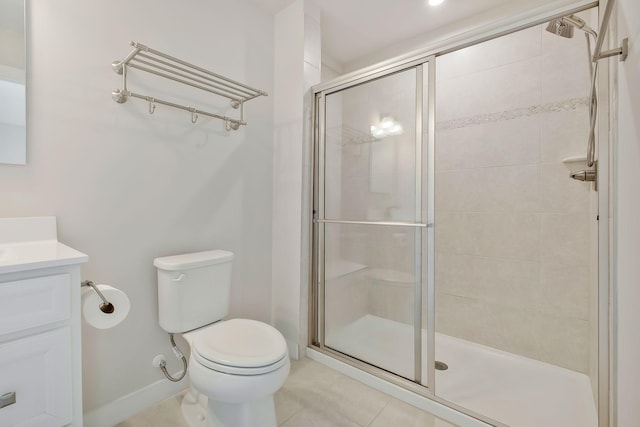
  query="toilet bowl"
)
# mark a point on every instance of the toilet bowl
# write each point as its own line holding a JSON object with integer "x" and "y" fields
{"x": 237, "y": 364}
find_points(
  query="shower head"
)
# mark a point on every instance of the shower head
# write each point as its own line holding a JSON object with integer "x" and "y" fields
{"x": 560, "y": 28}
{"x": 564, "y": 26}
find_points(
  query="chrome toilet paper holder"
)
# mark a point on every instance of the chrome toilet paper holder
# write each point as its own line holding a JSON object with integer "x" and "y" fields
{"x": 106, "y": 306}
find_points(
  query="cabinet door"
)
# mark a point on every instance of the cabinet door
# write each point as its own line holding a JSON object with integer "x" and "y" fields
{"x": 34, "y": 302}
{"x": 37, "y": 370}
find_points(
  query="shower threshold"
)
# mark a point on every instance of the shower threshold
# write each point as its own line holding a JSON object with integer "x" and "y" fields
{"x": 515, "y": 390}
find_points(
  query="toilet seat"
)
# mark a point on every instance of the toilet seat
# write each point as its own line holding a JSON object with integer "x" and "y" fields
{"x": 239, "y": 347}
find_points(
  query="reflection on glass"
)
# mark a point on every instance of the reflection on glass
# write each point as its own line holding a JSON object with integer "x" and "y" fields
{"x": 370, "y": 148}
{"x": 12, "y": 83}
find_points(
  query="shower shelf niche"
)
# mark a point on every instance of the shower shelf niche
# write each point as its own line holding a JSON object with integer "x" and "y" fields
{"x": 154, "y": 62}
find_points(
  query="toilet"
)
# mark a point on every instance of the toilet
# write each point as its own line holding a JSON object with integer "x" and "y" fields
{"x": 235, "y": 365}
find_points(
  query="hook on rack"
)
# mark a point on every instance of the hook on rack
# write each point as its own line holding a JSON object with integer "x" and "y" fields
{"x": 231, "y": 125}
{"x": 152, "y": 105}
{"x": 194, "y": 116}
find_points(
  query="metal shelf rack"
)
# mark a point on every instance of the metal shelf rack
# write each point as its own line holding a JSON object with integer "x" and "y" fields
{"x": 151, "y": 61}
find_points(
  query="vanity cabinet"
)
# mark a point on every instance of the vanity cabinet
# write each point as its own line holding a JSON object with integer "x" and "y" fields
{"x": 40, "y": 349}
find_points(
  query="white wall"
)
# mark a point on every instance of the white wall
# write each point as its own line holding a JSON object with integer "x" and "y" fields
{"x": 626, "y": 175}
{"x": 297, "y": 68}
{"x": 127, "y": 186}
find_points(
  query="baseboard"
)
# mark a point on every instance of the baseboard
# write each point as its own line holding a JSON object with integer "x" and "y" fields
{"x": 292, "y": 346}
{"x": 125, "y": 407}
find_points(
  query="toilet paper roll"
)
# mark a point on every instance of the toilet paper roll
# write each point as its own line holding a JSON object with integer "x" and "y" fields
{"x": 91, "y": 306}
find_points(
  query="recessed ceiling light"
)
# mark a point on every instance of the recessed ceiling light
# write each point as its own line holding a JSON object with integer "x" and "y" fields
{"x": 435, "y": 2}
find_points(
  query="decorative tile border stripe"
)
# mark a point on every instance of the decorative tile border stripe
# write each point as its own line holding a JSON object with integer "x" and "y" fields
{"x": 345, "y": 135}
{"x": 566, "y": 105}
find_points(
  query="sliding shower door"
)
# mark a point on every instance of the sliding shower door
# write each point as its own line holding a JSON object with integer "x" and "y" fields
{"x": 371, "y": 225}
{"x": 455, "y": 257}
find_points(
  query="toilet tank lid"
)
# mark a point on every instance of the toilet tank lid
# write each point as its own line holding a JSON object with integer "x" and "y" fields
{"x": 193, "y": 260}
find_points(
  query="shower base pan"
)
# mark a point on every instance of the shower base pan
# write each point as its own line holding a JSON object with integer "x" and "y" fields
{"x": 509, "y": 388}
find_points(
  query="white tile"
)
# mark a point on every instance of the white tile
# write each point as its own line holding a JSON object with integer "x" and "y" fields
{"x": 391, "y": 301}
{"x": 494, "y": 280}
{"x": 564, "y": 134}
{"x": 511, "y": 86}
{"x": 507, "y": 235}
{"x": 287, "y": 405}
{"x": 167, "y": 413}
{"x": 319, "y": 417}
{"x": 565, "y": 238}
{"x": 496, "y": 189}
{"x": 346, "y": 299}
{"x": 356, "y": 402}
{"x": 541, "y": 336}
{"x": 560, "y": 193}
{"x": 400, "y": 414}
{"x": 507, "y": 49}
{"x": 564, "y": 342}
{"x": 565, "y": 74}
{"x": 564, "y": 290}
{"x": 460, "y": 317}
{"x": 504, "y": 143}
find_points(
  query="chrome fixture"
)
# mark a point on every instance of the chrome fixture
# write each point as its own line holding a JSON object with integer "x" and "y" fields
{"x": 623, "y": 50}
{"x": 162, "y": 364}
{"x": 7, "y": 399}
{"x": 584, "y": 175}
{"x": 587, "y": 175}
{"x": 564, "y": 27}
{"x": 151, "y": 61}
{"x": 560, "y": 28}
{"x": 441, "y": 366}
{"x": 106, "y": 307}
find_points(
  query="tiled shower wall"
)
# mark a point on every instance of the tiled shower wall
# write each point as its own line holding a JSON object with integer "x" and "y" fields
{"x": 512, "y": 229}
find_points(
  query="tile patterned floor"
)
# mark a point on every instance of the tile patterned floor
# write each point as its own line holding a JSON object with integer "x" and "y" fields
{"x": 314, "y": 396}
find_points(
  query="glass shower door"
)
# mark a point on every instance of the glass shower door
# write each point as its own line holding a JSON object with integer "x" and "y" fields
{"x": 370, "y": 223}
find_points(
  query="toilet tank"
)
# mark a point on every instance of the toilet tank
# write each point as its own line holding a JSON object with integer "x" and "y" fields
{"x": 193, "y": 289}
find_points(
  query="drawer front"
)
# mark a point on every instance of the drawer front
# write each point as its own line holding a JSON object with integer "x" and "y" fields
{"x": 36, "y": 373}
{"x": 34, "y": 302}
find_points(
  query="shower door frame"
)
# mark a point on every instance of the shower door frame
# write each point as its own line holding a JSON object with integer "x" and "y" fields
{"x": 316, "y": 279}
{"x": 423, "y": 241}
{"x": 424, "y": 228}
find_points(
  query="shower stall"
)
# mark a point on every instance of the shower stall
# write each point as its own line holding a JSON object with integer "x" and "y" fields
{"x": 452, "y": 253}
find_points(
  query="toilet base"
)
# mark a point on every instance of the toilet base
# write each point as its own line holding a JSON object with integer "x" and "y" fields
{"x": 196, "y": 412}
{"x": 194, "y": 408}
{"x": 260, "y": 413}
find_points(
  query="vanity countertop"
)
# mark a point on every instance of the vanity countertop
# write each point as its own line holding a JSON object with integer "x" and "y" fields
{"x": 37, "y": 254}
{"x": 31, "y": 243}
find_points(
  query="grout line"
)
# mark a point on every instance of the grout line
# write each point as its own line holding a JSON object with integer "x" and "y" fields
{"x": 381, "y": 410}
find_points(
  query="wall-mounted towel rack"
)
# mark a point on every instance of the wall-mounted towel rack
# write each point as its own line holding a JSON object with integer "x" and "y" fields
{"x": 149, "y": 60}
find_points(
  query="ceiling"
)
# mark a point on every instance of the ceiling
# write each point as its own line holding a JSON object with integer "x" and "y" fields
{"x": 352, "y": 29}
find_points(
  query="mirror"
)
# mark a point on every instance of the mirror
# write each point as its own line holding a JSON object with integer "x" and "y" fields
{"x": 13, "y": 146}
